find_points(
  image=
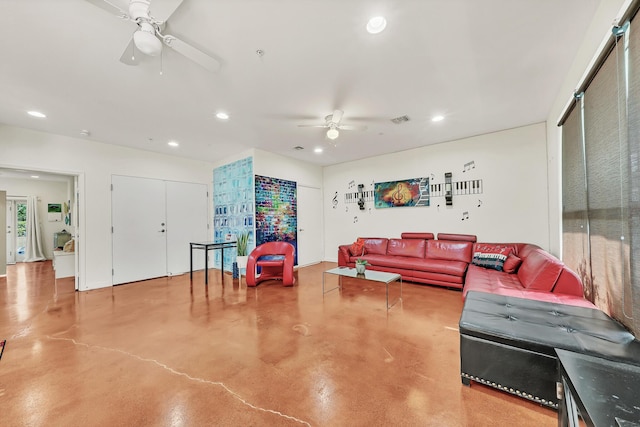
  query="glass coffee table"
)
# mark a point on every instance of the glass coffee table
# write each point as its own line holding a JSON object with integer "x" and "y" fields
{"x": 371, "y": 275}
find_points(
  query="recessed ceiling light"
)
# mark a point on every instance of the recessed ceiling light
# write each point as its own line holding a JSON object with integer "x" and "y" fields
{"x": 173, "y": 144}
{"x": 376, "y": 25}
{"x": 37, "y": 114}
{"x": 222, "y": 115}
{"x": 437, "y": 118}
{"x": 35, "y": 176}
{"x": 318, "y": 150}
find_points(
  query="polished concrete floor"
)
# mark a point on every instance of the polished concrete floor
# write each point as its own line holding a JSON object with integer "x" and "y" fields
{"x": 167, "y": 352}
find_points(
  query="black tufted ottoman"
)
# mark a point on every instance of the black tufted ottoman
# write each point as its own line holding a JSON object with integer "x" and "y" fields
{"x": 508, "y": 343}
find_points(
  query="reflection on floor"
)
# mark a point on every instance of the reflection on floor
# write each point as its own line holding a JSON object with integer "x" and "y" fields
{"x": 174, "y": 353}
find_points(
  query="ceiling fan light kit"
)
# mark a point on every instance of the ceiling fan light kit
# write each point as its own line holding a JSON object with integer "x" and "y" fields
{"x": 333, "y": 124}
{"x": 376, "y": 25}
{"x": 149, "y": 36}
{"x": 146, "y": 40}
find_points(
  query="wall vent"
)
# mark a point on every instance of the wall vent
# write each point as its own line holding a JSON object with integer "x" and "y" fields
{"x": 400, "y": 119}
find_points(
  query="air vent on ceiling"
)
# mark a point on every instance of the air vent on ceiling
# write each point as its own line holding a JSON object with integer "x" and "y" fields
{"x": 400, "y": 119}
{"x": 297, "y": 147}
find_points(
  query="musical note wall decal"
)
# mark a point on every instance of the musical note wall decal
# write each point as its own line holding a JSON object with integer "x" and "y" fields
{"x": 465, "y": 215}
{"x": 335, "y": 200}
{"x": 355, "y": 219}
{"x": 469, "y": 165}
{"x": 479, "y": 202}
{"x": 352, "y": 184}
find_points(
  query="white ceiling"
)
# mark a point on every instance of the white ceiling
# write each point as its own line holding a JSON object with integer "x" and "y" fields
{"x": 485, "y": 65}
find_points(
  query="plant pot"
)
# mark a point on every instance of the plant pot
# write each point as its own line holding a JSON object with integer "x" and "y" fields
{"x": 242, "y": 261}
{"x": 360, "y": 268}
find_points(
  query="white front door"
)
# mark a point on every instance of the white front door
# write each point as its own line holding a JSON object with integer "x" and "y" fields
{"x": 139, "y": 223}
{"x": 310, "y": 242}
{"x": 16, "y": 230}
{"x": 187, "y": 219}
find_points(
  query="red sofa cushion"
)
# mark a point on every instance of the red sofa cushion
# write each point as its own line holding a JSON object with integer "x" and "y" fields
{"x": 539, "y": 271}
{"x": 449, "y": 250}
{"x": 569, "y": 283}
{"x": 407, "y": 247}
{"x": 511, "y": 264}
{"x": 460, "y": 237}
{"x": 375, "y": 245}
{"x": 452, "y": 268}
{"x": 487, "y": 280}
{"x": 424, "y": 236}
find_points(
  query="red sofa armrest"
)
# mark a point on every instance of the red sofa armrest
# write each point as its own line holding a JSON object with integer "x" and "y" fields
{"x": 343, "y": 255}
{"x": 568, "y": 283}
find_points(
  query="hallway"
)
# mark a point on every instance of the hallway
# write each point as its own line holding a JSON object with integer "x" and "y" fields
{"x": 167, "y": 352}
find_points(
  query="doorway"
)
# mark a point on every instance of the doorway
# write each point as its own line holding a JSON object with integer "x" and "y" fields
{"x": 310, "y": 241}
{"x": 16, "y": 229}
{"x": 20, "y": 183}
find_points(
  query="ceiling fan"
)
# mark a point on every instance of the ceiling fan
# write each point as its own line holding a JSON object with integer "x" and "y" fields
{"x": 333, "y": 125}
{"x": 149, "y": 37}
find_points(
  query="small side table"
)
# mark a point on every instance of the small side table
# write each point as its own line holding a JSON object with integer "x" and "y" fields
{"x": 603, "y": 391}
{"x": 208, "y": 246}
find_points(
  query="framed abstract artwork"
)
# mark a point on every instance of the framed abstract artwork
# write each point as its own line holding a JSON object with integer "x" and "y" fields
{"x": 407, "y": 192}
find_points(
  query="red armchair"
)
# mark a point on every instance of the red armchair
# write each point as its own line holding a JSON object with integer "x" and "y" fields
{"x": 275, "y": 260}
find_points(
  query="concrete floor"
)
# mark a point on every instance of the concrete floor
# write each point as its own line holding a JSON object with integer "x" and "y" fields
{"x": 167, "y": 352}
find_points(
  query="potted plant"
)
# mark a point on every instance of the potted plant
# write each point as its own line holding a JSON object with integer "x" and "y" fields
{"x": 361, "y": 265}
{"x": 242, "y": 240}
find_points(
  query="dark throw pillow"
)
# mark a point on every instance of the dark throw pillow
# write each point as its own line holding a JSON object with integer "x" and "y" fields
{"x": 490, "y": 256}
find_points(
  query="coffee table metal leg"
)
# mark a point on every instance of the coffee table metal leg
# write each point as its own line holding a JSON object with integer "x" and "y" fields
{"x": 397, "y": 299}
{"x": 332, "y": 289}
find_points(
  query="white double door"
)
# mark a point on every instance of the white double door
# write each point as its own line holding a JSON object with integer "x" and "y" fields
{"x": 153, "y": 222}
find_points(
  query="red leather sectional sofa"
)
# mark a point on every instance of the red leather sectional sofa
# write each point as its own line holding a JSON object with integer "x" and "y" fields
{"x": 417, "y": 257}
{"x": 447, "y": 261}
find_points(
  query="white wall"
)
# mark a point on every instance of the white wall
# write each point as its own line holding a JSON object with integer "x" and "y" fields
{"x": 3, "y": 235}
{"x": 593, "y": 41}
{"x": 94, "y": 163}
{"x": 275, "y": 166}
{"x": 47, "y": 192}
{"x": 511, "y": 163}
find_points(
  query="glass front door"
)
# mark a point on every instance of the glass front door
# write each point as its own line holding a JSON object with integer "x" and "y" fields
{"x": 16, "y": 230}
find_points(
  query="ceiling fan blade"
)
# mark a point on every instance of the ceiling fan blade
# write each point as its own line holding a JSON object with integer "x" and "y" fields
{"x": 312, "y": 126}
{"x": 352, "y": 127}
{"x": 196, "y": 55}
{"x": 131, "y": 56}
{"x": 161, "y": 10}
{"x": 110, "y": 7}
{"x": 337, "y": 116}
